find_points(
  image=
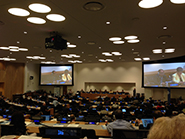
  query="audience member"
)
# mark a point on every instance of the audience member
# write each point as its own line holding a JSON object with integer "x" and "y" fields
{"x": 119, "y": 123}
{"x": 18, "y": 122}
{"x": 168, "y": 128}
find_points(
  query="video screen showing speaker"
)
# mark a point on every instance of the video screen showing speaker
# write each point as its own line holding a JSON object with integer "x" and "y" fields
{"x": 56, "y": 42}
{"x": 169, "y": 74}
{"x": 56, "y": 75}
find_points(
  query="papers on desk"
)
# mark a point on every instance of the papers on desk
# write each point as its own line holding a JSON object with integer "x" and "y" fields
{"x": 29, "y": 137}
{"x": 58, "y": 125}
{"x": 104, "y": 126}
{"x": 2, "y": 120}
{"x": 28, "y": 123}
{"x": 5, "y": 123}
{"x": 73, "y": 125}
{"x": 8, "y": 137}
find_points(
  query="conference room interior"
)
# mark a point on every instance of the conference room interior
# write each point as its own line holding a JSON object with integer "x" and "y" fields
{"x": 124, "y": 73}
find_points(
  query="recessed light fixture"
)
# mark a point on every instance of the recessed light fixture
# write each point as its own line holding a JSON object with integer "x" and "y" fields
{"x": 108, "y": 23}
{"x": 50, "y": 51}
{"x": 169, "y": 50}
{"x": 79, "y": 37}
{"x": 18, "y": 42}
{"x": 164, "y": 42}
{"x": 135, "y": 53}
{"x": 93, "y": 6}
{"x": 91, "y": 43}
{"x": 14, "y": 50}
{"x": 39, "y": 8}
{"x": 23, "y": 49}
{"x": 109, "y": 60}
{"x": 178, "y": 1}
{"x": 150, "y": 3}
{"x": 157, "y": 51}
{"x": 42, "y": 58}
{"x": 25, "y": 32}
{"x": 29, "y": 57}
{"x": 18, "y": 12}
{"x": 114, "y": 39}
{"x": 55, "y": 17}
{"x": 137, "y": 59}
{"x": 133, "y": 41}
{"x": 118, "y": 42}
{"x": 164, "y": 27}
{"x": 102, "y": 60}
{"x": 117, "y": 53}
{"x": 99, "y": 47}
{"x": 71, "y": 46}
{"x": 146, "y": 58}
{"x": 108, "y": 54}
{"x": 105, "y": 53}
{"x": 36, "y": 20}
{"x": 13, "y": 47}
{"x": 4, "y": 48}
{"x": 131, "y": 37}
{"x": 82, "y": 52}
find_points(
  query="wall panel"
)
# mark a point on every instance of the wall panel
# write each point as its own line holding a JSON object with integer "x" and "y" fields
{"x": 12, "y": 76}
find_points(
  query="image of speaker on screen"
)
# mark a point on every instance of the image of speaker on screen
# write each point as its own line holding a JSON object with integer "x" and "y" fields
{"x": 179, "y": 76}
{"x": 160, "y": 79}
{"x": 66, "y": 77}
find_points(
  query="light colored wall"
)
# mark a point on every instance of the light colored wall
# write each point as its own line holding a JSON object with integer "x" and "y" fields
{"x": 31, "y": 70}
{"x": 125, "y": 72}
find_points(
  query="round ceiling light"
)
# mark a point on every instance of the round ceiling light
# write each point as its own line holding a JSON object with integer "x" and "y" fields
{"x": 71, "y": 46}
{"x": 130, "y": 37}
{"x": 4, "y": 48}
{"x": 18, "y": 12}
{"x": 23, "y": 49}
{"x": 13, "y": 47}
{"x": 14, "y": 50}
{"x": 133, "y": 41}
{"x": 114, "y": 39}
{"x": 36, "y": 20}
{"x": 55, "y": 17}
{"x": 118, "y": 42}
{"x": 178, "y": 1}
{"x": 150, "y": 3}
{"x": 39, "y": 8}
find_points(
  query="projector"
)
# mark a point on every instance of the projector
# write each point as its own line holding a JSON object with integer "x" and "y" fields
{"x": 56, "y": 42}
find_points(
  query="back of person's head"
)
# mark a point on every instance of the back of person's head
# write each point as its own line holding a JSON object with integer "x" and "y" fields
{"x": 118, "y": 114}
{"x": 18, "y": 118}
{"x": 18, "y": 122}
{"x": 168, "y": 128}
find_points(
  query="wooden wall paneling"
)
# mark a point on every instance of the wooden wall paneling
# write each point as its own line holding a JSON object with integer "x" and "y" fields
{"x": 13, "y": 78}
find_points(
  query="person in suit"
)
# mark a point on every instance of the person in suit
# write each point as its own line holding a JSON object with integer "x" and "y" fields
{"x": 160, "y": 78}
